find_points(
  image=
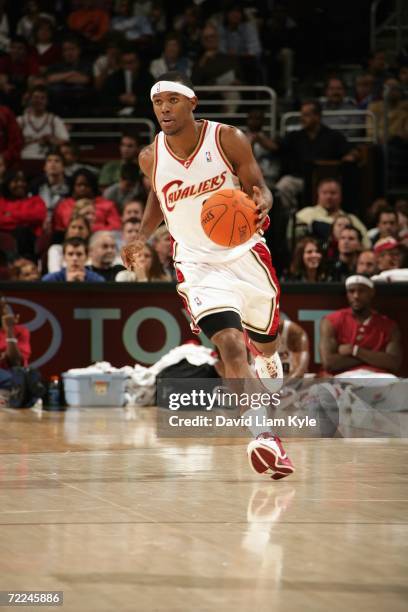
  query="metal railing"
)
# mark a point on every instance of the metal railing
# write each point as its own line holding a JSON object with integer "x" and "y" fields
{"x": 362, "y": 127}
{"x": 393, "y": 24}
{"x": 144, "y": 127}
{"x": 234, "y": 103}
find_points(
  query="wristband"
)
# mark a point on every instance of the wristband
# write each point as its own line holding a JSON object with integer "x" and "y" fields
{"x": 11, "y": 340}
{"x": 355, "y": 350}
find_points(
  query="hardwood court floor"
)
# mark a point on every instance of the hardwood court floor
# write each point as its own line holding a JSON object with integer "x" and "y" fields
{"x": 94, "y": 504}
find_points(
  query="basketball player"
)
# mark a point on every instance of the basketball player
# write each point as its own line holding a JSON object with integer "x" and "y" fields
{"x": 223, "y": 288}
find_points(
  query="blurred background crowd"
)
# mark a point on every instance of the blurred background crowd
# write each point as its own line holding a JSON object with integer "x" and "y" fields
{"x": 320, "y": 89}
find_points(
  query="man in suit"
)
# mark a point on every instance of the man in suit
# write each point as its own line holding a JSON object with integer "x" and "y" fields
{"x": 127, "y": 89}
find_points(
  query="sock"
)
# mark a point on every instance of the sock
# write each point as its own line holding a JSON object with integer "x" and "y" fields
{"x": 257, "y": 416}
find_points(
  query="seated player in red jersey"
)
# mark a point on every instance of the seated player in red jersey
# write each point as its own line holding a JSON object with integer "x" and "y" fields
{"x": 359, "y": 341}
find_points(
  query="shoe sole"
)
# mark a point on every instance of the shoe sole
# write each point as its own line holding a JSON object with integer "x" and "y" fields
{"x": 262, "y": 459}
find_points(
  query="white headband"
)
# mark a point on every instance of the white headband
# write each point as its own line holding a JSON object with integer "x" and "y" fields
{"x": 359, "y": 279}
{"x": 161, "y": 86}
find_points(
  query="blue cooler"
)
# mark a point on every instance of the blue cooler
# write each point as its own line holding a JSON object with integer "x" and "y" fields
{"x": 91, "y": 389}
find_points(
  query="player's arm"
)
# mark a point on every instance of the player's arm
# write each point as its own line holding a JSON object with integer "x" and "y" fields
{"x": 390, "y": 359}
{"x": 153, "y": 214}
{"x": 330, "y": 356}
{"x": 238, "y": 150}
{"x": 298, "y": 345}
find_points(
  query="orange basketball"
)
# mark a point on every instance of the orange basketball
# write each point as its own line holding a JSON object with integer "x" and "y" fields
{"x": 229, "y": 217}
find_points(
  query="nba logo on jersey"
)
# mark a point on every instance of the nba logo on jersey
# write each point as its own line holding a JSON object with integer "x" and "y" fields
{"x": 208, "y": 156}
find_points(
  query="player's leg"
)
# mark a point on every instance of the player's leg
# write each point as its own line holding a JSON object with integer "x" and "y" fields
{"x": 266, "y": 454}
{"x": 224, "y": 329}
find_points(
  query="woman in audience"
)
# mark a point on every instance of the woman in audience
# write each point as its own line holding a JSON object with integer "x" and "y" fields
{"x": 84, "y": 185}
{"x": 340, "y": 221}
{"x": 21, "y": 215}
{"x": 79, "y": 226}
{"x": 147, "y": 268}
{"x": 307, "y": 262}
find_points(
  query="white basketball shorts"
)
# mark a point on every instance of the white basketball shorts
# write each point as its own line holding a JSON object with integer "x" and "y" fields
{"x": 248, "y": 286}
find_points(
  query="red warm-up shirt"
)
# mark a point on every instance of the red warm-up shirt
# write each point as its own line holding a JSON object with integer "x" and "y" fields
{"x": 373, "y": 334}
{"x": 22, "y": 336}
{"x": 106, "y": 215}
{"x": 29, "y": 212}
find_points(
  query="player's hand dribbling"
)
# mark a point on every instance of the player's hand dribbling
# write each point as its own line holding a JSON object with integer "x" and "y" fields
{"x": 261, "y": 205}
{"x": 130, "y": 251}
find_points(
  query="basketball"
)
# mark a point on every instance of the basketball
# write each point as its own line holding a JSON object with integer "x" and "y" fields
{"x": 229, "y": 217}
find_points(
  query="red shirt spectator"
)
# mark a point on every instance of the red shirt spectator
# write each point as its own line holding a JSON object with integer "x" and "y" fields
{"x": 92, "y": 23}
{"x": 17, "y": 209}
{"x": 85, "y": 186}
{"x": 11, "y": 138}
{"x": 106, "y": 215}
{"x": 47, "y": 52}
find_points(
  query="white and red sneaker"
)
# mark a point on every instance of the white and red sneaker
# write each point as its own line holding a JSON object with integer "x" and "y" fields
{"x": 266, "y": 455}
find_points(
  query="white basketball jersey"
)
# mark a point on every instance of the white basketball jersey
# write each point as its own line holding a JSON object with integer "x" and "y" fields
{"x": 183, "y": 185}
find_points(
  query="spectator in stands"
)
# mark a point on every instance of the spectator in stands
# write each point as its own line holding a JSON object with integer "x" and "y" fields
{"x": 403, "y": 78}
{"x": 358, "y": 340}
{"x": 107, "y": 63}
{"x": 378, "y": 69}
{"x": 388, "y": 254}
{"x": 11, "y": 138}
{"x": 129, "y": 151}
{"x": 102, "y": 253}
{"x": 20, "y": 214}
{"x": 136, "y": 28}
{"x": 387, "y": 225}
{"x": 41, "y": 129}
{"x": 363, "y": 90}
{"x": 75, "y": 251}
{"x": 147, "y": 268}
{"x": 84, "y": 185}
{"x": 214, "y": 67}
{"x": 23, "y": 269}
{"x": 238, "y": 34}
{"x": 188, "y": 25}
{"x": 89, "y": 20}
{"x": 4, "y": 27}
{"x": 335, "y": 100}
{"x": 126, "y": 91}
{"x": 127, "y": 189}
{"x": 48, "y": 51}
{"x": 397, "y": 116}
{"x": 29, "y": 20}
{"x": 15, "y": 349}
{"x": 79, "y": 227}
{"x": 52, "y": 186}
{"x": 366, "y": 263}
{"x": 349, "y": 248}
{"x": 130, "y": 232}
{"x": 133, "y": 210}
{"x": 69, "y": 81}
{"x": 161, "y": 242}
{"x": 301, "y": 148}
{"x": 16, "y": 67}
{"x": 391, "y": 261}
{"x": 72, "y": 161}
{"x": 340, "y": 221}
{"x": 307, "y": 262}
{"x": 262, "y": 144}
{"x": 85, "y": 208}
{"x": 319, "y": 218}
{"x": 171, "y": 59}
